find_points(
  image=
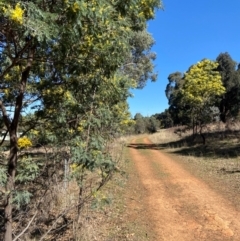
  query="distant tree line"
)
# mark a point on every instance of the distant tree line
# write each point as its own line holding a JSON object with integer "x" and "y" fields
{"x": 208, "y": 91}
{"x": 145, "y": 124}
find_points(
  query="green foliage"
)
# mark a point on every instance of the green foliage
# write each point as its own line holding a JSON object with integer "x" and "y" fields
{"x": 27, "y": 170}
{"x": 21, "y": 198}
{"x": 100, "y": 200}
{"x": 178, "y": 110}
{"x": 175, "y": 81}
{"x": 165, "y": 119}
{"x": 229, "y": 104}
{"x": 73, "y": 63}
{"x": 3, "y": 176}
{"x": 139, "y": 64}
{"x": 145, "y": 124}
{"x": 140, "y": 125}
{"x": 152, "y": 124}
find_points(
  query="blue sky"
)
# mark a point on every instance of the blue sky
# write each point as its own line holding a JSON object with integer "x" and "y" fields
{"x": 185, "y": 32}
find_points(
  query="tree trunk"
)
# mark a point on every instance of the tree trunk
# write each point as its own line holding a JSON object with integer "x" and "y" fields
{"x": 202, "y": 135}
{"x": 11, "y": 173}
{"x": 12, "y": 162}
{"x": 193, "y": 127}
{"x": 12, "y": 126}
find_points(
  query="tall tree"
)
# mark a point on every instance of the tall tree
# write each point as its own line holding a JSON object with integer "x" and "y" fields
{"x": 229, "y": 104}
{"x": 50, "y": 49}
{"x": 140, "y": 124}
{"x": 153, "y": 124}
{"x": 202, "y": 84}
{"x": 177, "y": 108}
{"x": 138, "y": 64}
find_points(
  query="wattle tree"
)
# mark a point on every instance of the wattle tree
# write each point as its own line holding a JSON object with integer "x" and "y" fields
{"x": 59, "y": 58}
{"x": 202, "y": 84}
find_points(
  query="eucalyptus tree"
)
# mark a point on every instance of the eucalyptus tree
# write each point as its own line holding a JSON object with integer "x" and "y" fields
{"x": 153, "y": 124}
{"x": 229, "y": 104}
{"x": 165, "y": 119}
{"x": 138, "y": 64}
{"x": 178, "y": 110}
{"x": 140, "y": 123}
{"x": 173, "y": 94}
{"x": 56, "y": 57}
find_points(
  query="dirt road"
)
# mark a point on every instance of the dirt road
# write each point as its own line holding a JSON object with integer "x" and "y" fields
{"x": 180, "y": 207}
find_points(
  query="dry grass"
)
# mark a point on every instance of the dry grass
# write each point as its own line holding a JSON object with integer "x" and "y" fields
{"x": 102, "y": 218}
{"x": 164, "y": 136}
{"x": 109, "y": 221}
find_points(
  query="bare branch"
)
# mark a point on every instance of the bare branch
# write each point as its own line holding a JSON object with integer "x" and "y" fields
{"x": 26, "y": 228}
{"x": 6, "y": 119}
{"x": 4, "y": 137}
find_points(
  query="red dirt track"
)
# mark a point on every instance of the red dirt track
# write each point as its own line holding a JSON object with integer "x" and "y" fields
{"x": 179, "y": 206}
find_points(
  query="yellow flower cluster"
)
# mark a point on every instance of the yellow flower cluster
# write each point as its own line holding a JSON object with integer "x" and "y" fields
{"x": 53, "y": 92}
{"x": 59, "y": 91}
{"x": 80, "y": 128}
{"x": 147, "y": 9}
{"x": 71, "y": 131}
{"x": 34, "y": 132}
{"x": 15, "y": 14}
{"x": 81, "y": 125}
{"x": 99, "y": 196}
{"x": 7, "y": 77}
{"x": 74, "y": 167}
{"x": 127, "y": 122}
{"x": 6, "y": 92}
{"x": 24, "y": 142}
{"x": 75, "y": 7}
{"x": 202, "y": 82}
{"x": 96, "y": 153}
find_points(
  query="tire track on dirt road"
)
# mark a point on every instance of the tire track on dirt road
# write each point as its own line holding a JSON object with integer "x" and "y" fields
{"x": 178, "y": 205}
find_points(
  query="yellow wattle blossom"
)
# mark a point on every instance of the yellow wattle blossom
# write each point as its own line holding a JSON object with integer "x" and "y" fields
{"x": 99, "y": 195}
{"x": 96, "y": 153}
{"x": 46, "y": 92}
{"x": 127, "y": 122}
{"x": 4, "y": 9}
{"x": 68, "y": 97}
{"x": 80, "y": 128}
{"x": 56, "y": 91}
{"x": 73, "y": 167}
{"x": 17, "y": 14}
{"x": 34, "y": 132}
{"x": 6, "y": 91}
{"x": 75, "y": 7}
{"x": 81, "y": 144}
{"x": 71, "y": 131}
{"x": 202, "y": 83}
{"x": 24, "y": 142}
